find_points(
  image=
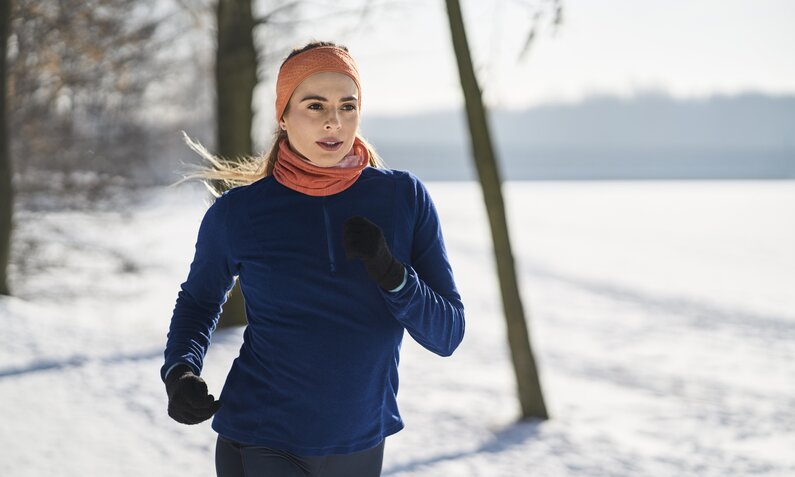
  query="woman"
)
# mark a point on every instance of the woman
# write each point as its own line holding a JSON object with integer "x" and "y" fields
{"x": 336, "y": 257}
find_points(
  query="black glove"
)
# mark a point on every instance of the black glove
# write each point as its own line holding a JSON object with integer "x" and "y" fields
{"x": 188, "y": 399}
{"x": 364, "y": 240}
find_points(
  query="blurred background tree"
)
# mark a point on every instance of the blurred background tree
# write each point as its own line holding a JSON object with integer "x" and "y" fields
{"x": 236, "y": 66}
{"x": 87, "y": 83}
{"x": 6, "y": 195}
{"x": 78, "y": 75}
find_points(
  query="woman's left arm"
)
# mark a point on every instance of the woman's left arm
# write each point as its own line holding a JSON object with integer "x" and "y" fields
{"x": 428, "y": 304}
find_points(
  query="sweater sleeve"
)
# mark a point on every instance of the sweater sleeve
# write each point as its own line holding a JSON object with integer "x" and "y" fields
{"x": 428, "y": 304}
{"x": 202, "y": 295}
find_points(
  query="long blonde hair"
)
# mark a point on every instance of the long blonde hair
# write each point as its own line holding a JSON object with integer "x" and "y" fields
{"x": 225, "y": 173}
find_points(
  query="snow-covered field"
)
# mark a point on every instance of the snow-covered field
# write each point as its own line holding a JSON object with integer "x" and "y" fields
{"x": 662, "y": 315}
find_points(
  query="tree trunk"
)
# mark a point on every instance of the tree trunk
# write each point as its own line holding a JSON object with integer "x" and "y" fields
{"x": 529, "y": 387}
{"x": 235, "y": 79}
{"x": 6, "y": 194}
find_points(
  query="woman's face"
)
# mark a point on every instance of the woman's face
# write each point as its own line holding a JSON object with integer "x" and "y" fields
{"x": 322, "y": 118}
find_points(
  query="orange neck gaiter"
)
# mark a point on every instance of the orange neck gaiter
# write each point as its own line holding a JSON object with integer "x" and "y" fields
{"x": 294, "y": 172}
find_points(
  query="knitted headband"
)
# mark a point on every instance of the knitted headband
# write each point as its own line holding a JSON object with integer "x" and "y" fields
{"x": 305, "y": 64}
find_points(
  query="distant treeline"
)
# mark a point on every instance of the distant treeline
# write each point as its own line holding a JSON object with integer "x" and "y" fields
{"x": 749, "y": 136}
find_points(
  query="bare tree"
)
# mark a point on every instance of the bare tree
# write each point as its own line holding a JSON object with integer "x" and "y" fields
{"x": 79, "y": 72}
{"x": 85, "y": 86}
{"x": 6, "y": 194}
{"x": 531, "y": 397}
{"x": 235, "y": 79}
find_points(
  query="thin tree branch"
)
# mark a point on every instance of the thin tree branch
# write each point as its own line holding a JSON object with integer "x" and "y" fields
{"x": 267, "y": 17}
{"x": 363, "y": 12}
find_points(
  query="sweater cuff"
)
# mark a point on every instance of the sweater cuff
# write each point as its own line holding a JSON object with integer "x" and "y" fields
{"x": 403, "y": 283}
{"x": 165, "y": 375}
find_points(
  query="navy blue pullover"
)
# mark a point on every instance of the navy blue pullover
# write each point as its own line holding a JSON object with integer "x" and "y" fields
{"x": 317, "y": 372}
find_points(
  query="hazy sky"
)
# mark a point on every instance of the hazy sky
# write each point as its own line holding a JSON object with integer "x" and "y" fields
{"x": 685, "y": 47}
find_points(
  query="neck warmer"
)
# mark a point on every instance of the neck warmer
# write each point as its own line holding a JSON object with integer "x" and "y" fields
{"x": 298, "y": 174}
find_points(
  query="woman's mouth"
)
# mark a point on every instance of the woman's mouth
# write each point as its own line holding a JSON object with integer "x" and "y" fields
{"x": 329, "y": 145}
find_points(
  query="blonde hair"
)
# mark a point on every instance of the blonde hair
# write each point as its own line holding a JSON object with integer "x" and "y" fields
{"x": 224, "y": 173}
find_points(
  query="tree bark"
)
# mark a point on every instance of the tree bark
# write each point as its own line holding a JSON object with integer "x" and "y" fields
{"x": 529, "y": 387}
{"x": 6, "y": 193}
{"x": 235, "y": 79}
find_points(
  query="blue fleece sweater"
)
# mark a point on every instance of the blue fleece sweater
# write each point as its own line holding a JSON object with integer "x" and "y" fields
{"x": 317, "y": 372}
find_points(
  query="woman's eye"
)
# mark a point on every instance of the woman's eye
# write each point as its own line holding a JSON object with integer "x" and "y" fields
{"x": 349, "y": 107}
{"x": 315, "y": 106}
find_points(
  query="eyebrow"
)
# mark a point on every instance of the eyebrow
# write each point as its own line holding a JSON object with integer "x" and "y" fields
{"x": 321, "y": 98}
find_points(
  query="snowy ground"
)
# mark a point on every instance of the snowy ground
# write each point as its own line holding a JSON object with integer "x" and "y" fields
{"x": 662, "y": 314}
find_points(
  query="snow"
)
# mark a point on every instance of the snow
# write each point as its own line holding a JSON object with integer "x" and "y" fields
{"x": 662, "y": 316}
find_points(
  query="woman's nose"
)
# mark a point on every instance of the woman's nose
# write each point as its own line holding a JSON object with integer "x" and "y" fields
{"x": 332, "y": 121}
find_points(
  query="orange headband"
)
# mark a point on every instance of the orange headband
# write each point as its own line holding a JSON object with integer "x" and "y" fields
{"x": 305, "y": 64}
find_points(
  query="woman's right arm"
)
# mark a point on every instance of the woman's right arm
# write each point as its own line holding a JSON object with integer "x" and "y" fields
{"x": 202, "y": 295}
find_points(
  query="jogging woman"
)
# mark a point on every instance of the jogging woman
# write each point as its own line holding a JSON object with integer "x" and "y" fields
{"x": 336, "y": 256}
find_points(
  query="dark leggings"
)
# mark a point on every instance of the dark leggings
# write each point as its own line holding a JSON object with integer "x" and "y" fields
{"x": 233, "y": 459}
